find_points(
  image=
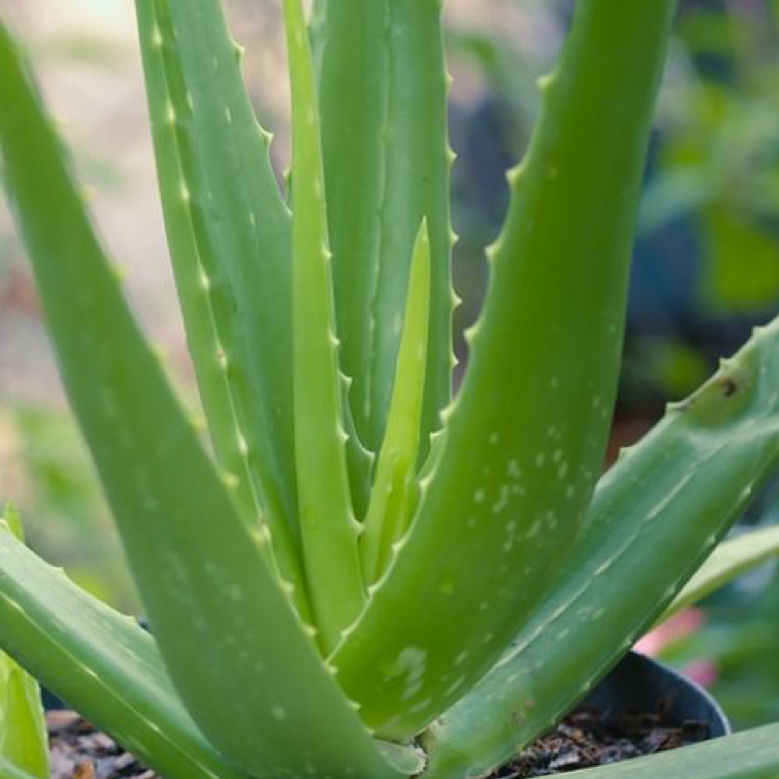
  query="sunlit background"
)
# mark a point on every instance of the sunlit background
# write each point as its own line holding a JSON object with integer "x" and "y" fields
{"x": 706, "y": 261}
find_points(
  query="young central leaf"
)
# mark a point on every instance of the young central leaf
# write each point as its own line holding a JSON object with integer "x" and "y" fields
{"x": 392, "y": 497}
{"x": 329, "y": 530}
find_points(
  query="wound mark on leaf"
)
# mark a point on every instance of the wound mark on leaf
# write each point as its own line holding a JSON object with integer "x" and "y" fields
{"x": 729, "y": 386}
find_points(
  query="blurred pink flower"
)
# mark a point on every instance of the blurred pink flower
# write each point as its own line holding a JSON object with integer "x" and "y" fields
{"x": 681, "y": 625}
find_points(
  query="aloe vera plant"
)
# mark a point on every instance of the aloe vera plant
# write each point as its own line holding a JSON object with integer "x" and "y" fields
{"x": 362, "y": 575}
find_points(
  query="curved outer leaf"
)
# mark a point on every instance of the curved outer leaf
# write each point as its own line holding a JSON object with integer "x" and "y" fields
{"x": 23, "y": 737}
{"x": 728, "y": 561}
{"x": 525, "y": 439}
{"x": 655, "y": 515}
{"x": 199, "y": 568}
{"x": 383, "y": 89}
{"x": 229, "y": 236}
{"x": 753, "y": 754}
{"x": 329, "y": 528}
{"x": 101, "y": 662}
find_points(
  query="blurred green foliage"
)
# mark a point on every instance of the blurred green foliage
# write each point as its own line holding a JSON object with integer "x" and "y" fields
{"x": 719, "y": 156}
{"x": 707, "y": 260}
{"x": 58, "y": 494}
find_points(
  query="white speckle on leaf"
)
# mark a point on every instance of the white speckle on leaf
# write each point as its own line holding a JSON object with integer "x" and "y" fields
{"x": 243, "y": 447}
{"x": 502, "y": 501}
{"x": 454, "y": 686}
{"x": 279, "y": 713}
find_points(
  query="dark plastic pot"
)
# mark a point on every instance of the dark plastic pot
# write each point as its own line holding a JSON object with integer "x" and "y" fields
{"x": 639, "y": 684}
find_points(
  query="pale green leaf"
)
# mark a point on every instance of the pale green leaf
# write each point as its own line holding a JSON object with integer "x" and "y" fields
{"x": 729, "y": 560}
{"x": 753, "y": 754}
{"x": 328, "y": 526}
{"x": 394, "y": 488}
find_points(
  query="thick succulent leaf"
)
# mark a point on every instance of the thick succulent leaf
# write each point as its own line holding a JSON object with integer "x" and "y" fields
{"x": 229, "y": 235}
{"x": 101, "y": 663}
{"x": 383, "y": 89}
{"x": 729, "y": 560}
{"x": 359, "y": 459}
{"x": 753, "y": 754}
{"x": 328, "y": 526}
{"x": 393, "y": 496}
{"x": 655, "y": 516}
{"x": 9, "y": 771}
{"x": 199, "y": 568}
{"x": 23, "y": 737}
{"x": 525, "y": 439}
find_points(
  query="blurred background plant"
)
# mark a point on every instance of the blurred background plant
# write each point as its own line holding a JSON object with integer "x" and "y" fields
{"x": 706, "y": 260}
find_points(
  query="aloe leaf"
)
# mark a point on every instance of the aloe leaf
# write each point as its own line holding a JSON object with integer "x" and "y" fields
{"x": 13, "y": 519}
{"x": 359, "y": 459}
{"x": 229, "y": 235}
{"x": 753, "y": 754}
{"x": 23, "y": 737}
{"x": 9, "y": 771}
{"x": 327, "y": 521}
{"x": 101, "y": 662}
{"x": 657, "y": 513}
{"x": 199, "y": 568}
{"x": 525, "y": 438}
{"x": 728, "y": 561}
{"x": 393, "y": 491}
{"x": 383, "y": 89}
